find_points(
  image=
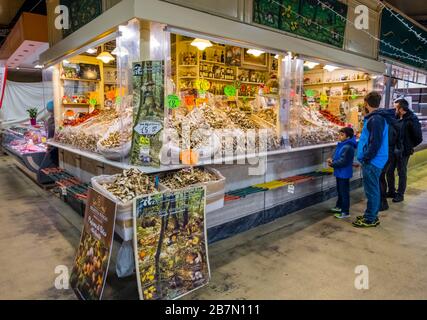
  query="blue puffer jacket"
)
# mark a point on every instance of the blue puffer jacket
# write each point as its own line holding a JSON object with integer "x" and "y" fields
{"x": 373, "y": 142}
{"x": 343, "y": 159}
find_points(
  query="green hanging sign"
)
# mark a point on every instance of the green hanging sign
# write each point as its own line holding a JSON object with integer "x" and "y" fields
{"x": 173, "y": 101}
{"x": 230, "y": 91}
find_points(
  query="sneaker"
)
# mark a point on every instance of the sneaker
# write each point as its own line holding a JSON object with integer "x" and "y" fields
{"x": 363, "y": 223}
{"x": 360, "y": 217}
{"x": 336, "y": 210}
{"x": 342, "y": 215}
{"x": 398, "y": 198}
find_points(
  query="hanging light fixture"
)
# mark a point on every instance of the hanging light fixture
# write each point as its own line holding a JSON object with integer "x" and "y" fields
{"x": 105, "y": 57}
{"x": 91, "y": 51}
{"x": 201, "y": 44}
{"x": 330, "y": 68}
{"x": 310, "y": 64}
{"x": 255, "y": 52}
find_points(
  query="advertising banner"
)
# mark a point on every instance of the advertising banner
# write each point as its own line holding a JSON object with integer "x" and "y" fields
{"x": 93, "y": 255}
{"x": 170, "y": 243}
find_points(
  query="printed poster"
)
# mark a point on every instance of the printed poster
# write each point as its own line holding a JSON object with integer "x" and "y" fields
{"x": 148, "y": 83}
{"x": 171, "y": 253}
{"x": 93, "y": 255}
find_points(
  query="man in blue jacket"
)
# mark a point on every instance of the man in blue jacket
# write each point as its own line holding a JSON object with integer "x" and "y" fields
{"x": 372, "y": 153}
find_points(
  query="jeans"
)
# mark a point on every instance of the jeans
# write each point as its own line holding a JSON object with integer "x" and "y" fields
{"x": 343, "y": 188}
{"x": 371, "y": 184}
{"x": 402, "y": 171}
{"x": 383, "y": 183}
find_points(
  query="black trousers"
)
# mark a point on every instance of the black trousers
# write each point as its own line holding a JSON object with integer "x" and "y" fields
{"x": 383, "y": 182}
{"x": 343, "y": 188}
{"x": 401, "y": 163}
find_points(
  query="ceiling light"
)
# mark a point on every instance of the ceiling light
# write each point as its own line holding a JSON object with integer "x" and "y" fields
{"x": 38, "y": 66}
{"x": 18, "y": 68}
{"x": 105, "y": 57}
{"x": 276, "y": 56}
{"x": 65, "y": 61}
{"x": 330, "y": 68}
{"x": 310, "y": 64}
{"x": 255, "y": 52}
{"x": 91, "y": 51}
{"x": 201, "y": 44}
{"x": 122, "y": 52}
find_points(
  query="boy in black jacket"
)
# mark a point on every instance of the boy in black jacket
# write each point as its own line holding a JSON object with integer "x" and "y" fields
{"x": 411, "y": 136}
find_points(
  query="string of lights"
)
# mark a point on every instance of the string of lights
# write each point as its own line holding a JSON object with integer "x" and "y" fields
{"x": 408, "y": 55}
{"x": 398, "y": 17}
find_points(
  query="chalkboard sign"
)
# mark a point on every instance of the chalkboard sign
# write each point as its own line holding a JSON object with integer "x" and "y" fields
{"x": 81, "y": 13}
{"x": 306, "y": 18}
{"x": 396, "y": 34}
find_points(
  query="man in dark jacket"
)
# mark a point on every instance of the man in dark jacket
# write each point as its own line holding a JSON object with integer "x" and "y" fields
{"x": 411, "y": 136}
{"x": 372, "y": 153}
{"x": 394, "y": 148}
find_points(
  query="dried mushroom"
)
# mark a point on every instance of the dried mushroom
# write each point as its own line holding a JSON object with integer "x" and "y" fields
{"x": 131, "y": 184}
{"x": 187, "y": 177}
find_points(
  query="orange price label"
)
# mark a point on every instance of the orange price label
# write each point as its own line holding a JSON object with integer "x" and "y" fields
{"x": 190, "y": 100}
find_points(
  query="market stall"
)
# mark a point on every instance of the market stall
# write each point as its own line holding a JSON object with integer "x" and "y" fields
{"x": 264, "y": 121}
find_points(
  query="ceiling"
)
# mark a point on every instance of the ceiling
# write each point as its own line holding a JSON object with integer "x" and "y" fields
{"x": 11, "y": 10}
{"x": 416, "y": 9}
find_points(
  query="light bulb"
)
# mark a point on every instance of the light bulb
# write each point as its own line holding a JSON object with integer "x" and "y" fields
{"x": 255, "y": 52}
{"x": 310, "y": 64}
{"x": 330, "y": 68}
{"x": 105, "y": 57}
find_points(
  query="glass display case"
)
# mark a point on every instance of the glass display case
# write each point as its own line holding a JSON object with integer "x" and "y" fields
{"x": 25, "y": 140}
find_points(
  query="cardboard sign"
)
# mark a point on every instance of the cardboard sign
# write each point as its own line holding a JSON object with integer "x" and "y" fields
{"x": 170, "y": 242}
{"x": 93, "y": 255}
{"x": 173, "y": 101}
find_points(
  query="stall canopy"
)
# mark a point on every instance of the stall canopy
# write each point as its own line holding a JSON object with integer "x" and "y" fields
{"x": 18, "y": 97}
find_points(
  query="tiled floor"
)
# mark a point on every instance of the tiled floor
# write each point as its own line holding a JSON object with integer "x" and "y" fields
{"x": 308, "y": 254}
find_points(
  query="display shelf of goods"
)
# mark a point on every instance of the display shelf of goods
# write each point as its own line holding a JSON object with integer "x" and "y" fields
{"x": 79, "y": 80}
{"x": 335, "y": 82}
{"x": 310, "y": 127}
{"x": 86, "y": 131}
{"x": 23, "y": 140}
{"x": 217, "y": 114}
{"x": 209, "y": 177}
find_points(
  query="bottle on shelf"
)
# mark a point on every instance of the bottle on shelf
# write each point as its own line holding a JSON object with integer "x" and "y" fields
{"x": 215, "y": 57}
{"x": 204, "y": 55}
{"x": 222, "y": 57}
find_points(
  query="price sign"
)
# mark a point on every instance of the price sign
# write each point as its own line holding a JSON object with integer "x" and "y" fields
{"x": 173, "y": 101}
{"x": 310, "y": 93}
{"x": 190, "y": 101}
{"x": 291, "y": 188}
{"x": 230, "y": 91}
{"x": 118, "y": 100}
{"x": 148, "y": 128}
{"x": 144, "y": 141}
{"x": 92, "y": 102}
{"x": 203, "y": 85}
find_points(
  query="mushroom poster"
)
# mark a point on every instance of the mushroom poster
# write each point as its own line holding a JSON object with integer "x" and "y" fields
{"x": 93, "y": 255}
{"x": 170, "y": 243}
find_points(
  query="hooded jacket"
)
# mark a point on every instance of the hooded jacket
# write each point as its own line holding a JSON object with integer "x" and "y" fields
{"x": 343, "y": 158}
{"x": 373, "y": 145}
{"x": 412, "y": 134}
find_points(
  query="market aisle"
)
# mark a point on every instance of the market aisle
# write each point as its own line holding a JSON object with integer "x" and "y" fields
{"x": 34, "y": 237}
{"x": 311, "y": 255}
{"x": 304, "y": 255}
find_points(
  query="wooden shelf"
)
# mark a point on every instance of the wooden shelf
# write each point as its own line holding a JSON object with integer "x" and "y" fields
{"x": 214, "y": 62}
{"x": 219, "y": 80}
{"x": 77, "y": 104}
{"x": 334, "y": 82}
{"x": 247, "y": 82}
{"x": 188, "y": 77}
{"x": 82, "y": 80}
{"x": 188, "y": 65}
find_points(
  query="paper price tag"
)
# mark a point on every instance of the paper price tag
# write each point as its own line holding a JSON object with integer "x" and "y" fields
{"x": 173, "y": 101}
{"x": 291, "y": 188}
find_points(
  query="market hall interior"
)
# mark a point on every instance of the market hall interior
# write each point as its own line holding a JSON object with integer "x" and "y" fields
{"x": 305, "y": 255}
